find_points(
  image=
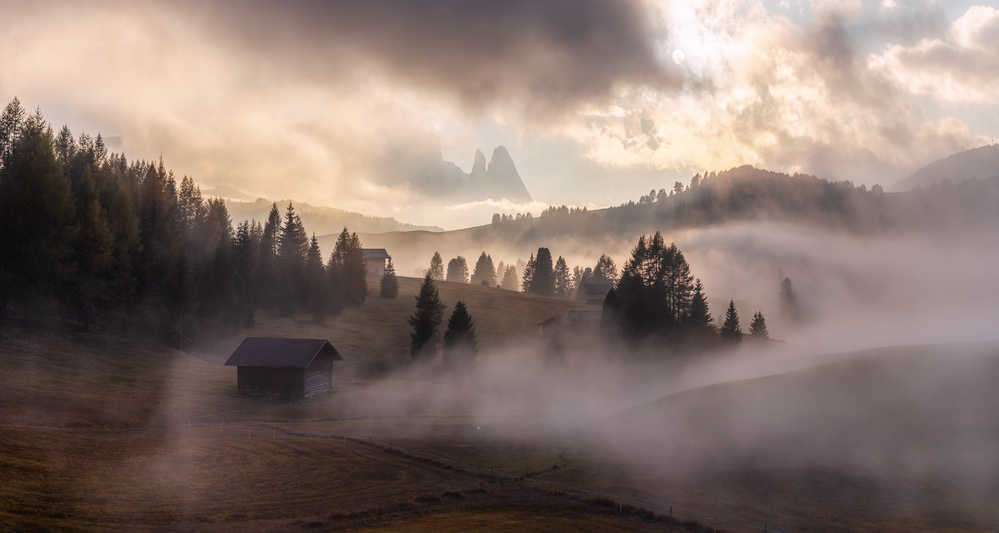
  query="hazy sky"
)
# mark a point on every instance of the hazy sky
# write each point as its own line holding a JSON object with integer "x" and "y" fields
{"x": 307, "y": 99}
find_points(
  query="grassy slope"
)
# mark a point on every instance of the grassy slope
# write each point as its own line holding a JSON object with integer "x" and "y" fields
{"x": 92, "y": 437}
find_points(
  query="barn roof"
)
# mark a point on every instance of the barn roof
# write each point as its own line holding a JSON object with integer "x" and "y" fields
{"x": 375, "y": 253}
{"x": 278, "y": 352}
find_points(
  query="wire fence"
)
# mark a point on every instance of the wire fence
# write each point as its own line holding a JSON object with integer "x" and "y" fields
{"x": 245, "y": 427}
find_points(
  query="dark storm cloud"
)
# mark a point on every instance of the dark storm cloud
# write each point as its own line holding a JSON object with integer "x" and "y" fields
{"x": 546, "y": 56}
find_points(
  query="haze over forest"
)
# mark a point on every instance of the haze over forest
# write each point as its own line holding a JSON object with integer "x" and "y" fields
{"x": 733, "y": 258}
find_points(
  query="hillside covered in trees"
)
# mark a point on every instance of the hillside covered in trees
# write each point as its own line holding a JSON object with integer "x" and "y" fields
{"x": 90, "y": 237}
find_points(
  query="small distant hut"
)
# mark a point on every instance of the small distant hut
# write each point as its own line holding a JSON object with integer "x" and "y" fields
{"x": 374, "y": 259}
{"x": 280, "y": 368}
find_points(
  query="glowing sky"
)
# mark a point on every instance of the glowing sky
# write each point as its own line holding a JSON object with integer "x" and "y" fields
{"x": 307, "y": 99}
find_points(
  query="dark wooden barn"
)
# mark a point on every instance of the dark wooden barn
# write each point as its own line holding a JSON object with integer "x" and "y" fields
{"x": 290, "y": 369}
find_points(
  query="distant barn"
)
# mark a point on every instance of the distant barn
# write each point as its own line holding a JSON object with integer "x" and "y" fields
{"x": 374, "y": 259}
{"x": 289, "y": 369}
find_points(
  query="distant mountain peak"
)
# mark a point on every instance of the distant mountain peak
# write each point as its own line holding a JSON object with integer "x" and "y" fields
{"x": 479, "y": 165}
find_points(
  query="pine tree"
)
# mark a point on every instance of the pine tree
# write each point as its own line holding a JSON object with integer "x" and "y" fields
{"x": 605, "y": 270}
{"x": 787, "y": 303}
{"x": 700, "y": 317}
{"x": 562, "y": 279}
{"x": 437, "y": 267}
{"x": 542, "y": 278}
{"x": 180, "y": 301}
{"x": 316, "y": 281}
{"x": 35, "y": 210}
{"x": 457, "y": 270}
{"x": 293, "y": 244}
{"x": 510, "y": 279}
{"x": 389, "y": 287}
{"x": 485, "y": 272}
{"x": 730, "y": 330}
{"x": 350, "y": 270}
{"x": 460, "y": 344}
{"x": 758, "y": 329}
{"x": 528, "y": 276}
{"x": 426, "y": 320}
{"x": 266, "y": 278}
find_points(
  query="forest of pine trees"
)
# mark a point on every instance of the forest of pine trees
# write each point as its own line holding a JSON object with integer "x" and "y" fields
{"x": 93, "y": 238}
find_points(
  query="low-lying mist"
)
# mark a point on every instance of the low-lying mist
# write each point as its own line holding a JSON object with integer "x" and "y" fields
{"x": 920, "y": 406}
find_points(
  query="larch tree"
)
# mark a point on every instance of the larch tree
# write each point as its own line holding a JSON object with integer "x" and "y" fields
{"x": 542, "y": 276}
{"x": 389, "y": 286}
{"x": 457, "y": 270}
{"x": 315, "y": 279}
{"x": 460, "y": 344}
{"x": 437, "y": 267}
{"x": 485, "y": 271}
{"x": 731, "y": 331}
{"x": 758, "y": 329}
{"x": 426, "y": 321}
{"x": 562, "y": 279}
{"x": 510, "y": 279}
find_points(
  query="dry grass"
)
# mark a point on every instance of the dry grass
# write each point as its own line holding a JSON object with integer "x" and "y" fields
{"x": 93, "y": 436}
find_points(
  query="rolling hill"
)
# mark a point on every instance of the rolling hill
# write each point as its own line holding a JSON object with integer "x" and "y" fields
{"x": 975, "y": 164}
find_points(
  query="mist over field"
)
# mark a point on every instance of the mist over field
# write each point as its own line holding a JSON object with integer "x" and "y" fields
{"x": 634, "y": 265}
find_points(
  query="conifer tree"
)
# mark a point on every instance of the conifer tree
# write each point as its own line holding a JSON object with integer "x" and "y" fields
{"x": 316, "y": 281}
{"x": 605, "y": 270}
{"x": 352, "y": 273}
{"x": 437, "y": 267}
{"x": 528, "y": 276}
{"x": 700, "y": 316}
{"x": 542, "y": 277}
{"x": 426, "y": 321}
{"x": 293, "y": 244}
{"x": 35, "y": 210}
{"x": 510, "y": 279}
{"x": 266, "y": 276}
{"x": 758, "y": 329}
{"x": 389, "y": 287}
{"x": 485, "y": 272}
{"x": 730, "y": 330}
{"x": 460, "y": 344}
{"x": 562, "y": 279}
{"x": 457, "y": 270}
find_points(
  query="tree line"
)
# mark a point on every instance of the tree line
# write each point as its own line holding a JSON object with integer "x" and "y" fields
{"x": 90, "y": 236}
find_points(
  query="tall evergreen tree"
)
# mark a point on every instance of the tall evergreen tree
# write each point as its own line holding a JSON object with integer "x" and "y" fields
{"x": 758, "y": 329}
{"x": 179, "y": 301}
{"x": 605, "y": 270}
{"x": 425, "y": 322}
{"x": 542, "y": 277}
{"x": 460, "y": 344}
{"x": 389, "y": 286}
{"x": 35, "y": 211}
{"x": 457, "y": 270}
{"x": 700, "y": 316}
{"x": 293, "y": 245}
{"x": 266, "y": 275}
{"x": 315, "y": 276}
{"x": 485, "y": 272}
{"x": 528, "y": 276}
{"x": 437, "y": 267}
{"x": 349, "y": 258}
{"x": 510, "y": 279}
{"x": 562, "y": 279}
{"x": 730, "y": 330}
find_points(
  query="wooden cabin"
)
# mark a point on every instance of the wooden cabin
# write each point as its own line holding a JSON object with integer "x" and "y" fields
{"x": 280, "y": 368}
{"x": 374, "y": 260}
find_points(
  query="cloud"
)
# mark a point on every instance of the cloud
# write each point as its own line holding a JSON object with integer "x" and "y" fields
{"x": 963, "y": 66}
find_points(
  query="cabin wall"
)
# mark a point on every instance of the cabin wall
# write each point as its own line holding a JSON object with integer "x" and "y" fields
{"x": 264, "y": 382}
{"x": 319, "y": 377}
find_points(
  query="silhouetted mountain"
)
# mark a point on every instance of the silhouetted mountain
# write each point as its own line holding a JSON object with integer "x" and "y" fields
{"x": 743, "y": 194}
{"x": 419, "y": 165}
{"x": 977, "y": 163}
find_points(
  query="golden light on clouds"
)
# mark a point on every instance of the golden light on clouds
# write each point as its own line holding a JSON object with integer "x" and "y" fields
{"x": 323, "y": 101}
